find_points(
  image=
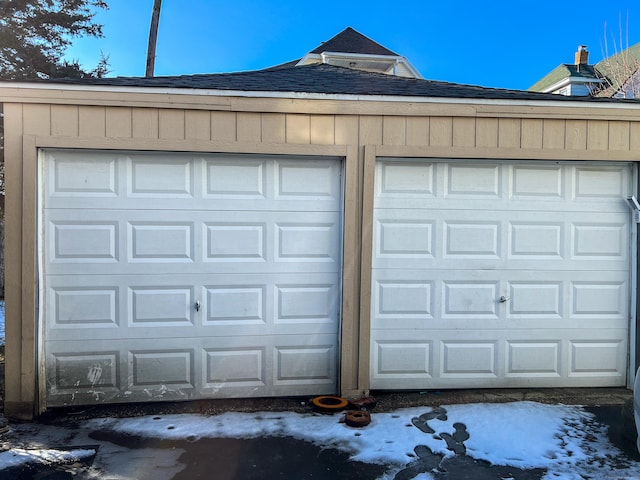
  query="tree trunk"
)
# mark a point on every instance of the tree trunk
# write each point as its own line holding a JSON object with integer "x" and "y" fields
{"x": 153, "y": 37}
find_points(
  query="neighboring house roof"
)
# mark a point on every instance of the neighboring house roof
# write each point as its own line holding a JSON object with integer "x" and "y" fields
{"x": 607, "y": 78}
{"x": 360, "y": 67}
{"x": 562, "y": 71}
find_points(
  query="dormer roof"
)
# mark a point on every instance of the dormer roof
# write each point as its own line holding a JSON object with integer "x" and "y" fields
{"x": 351, "y": 41}
{"x": 351, "y": 49}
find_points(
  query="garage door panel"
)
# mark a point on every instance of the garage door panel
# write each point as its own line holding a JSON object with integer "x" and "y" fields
{"x": 120, "y": 307}
{"x": 160, "y": 306}
{"x": 170, "y": 367}
{"x": 193, "y": 242}
{"x": 245, "y": 178}
{"x": 79, "y": 242}
{"x": 534, "y": 359}
{"x": 537, "y": 182}
{"x": 499, "y": 274}
{"x": 190, "y": 276}
{"x": 110, "y": 180}
{"x": 601, "y": 181}
{"x": 598, "y": 299}
{"x": 472, "y": 239}
{"x": 81, "y": 306}
{"x": 403, "y": 359}
{"x": 157, "y": 176}
{"x": 86, "y": 175}
{"x": 433, "y": 239}
{"x": 605, "y": 357}
{"x": 469, "y": 180}
{"x": 469, "y": 359}
{"x": 449, "y": 359}
{"x": 549, "y": 299}
{"x": 593, "y": 239}
{"x": 182, "y": 369}
{"x": 531, "y": 299}
{"x": 310, "y": 180}
{"x": 240, "y": 367}
{"x": 403, "y": 183}
{"x": 161, "y": 242}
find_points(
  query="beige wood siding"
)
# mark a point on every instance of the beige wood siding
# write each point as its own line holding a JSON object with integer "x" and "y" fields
{"x": 131, "y": 121}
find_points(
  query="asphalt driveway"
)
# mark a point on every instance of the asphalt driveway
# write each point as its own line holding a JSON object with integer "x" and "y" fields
{"x": 77, "y": 447}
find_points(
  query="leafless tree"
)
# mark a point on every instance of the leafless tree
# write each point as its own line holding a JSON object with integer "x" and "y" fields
{"x": 620, "y": 66}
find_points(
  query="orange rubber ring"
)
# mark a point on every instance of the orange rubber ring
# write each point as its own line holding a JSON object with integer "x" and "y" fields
{"x": 329, "y": 403}
{"x": 357, "y": 418}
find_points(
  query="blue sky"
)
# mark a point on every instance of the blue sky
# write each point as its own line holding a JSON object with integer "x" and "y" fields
{"x": 497, "y": 44}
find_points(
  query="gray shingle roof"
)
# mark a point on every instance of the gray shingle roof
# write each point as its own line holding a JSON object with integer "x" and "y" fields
{"x": 319, "y": 79}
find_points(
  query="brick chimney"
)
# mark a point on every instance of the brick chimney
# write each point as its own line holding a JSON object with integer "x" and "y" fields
{"x": 582, "y": 55}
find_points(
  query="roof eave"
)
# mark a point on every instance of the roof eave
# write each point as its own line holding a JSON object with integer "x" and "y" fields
{"x": 571, "y": 81}
{"x": 348, "y": 58}
{"x": 195, "y": 92}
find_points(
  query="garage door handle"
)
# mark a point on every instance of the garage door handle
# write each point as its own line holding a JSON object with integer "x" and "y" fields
{"x": 503, "y": 299}
{"x": 197, "y": 306}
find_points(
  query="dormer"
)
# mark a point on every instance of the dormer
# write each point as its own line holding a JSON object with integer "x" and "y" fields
{"x": 351, "y": 49}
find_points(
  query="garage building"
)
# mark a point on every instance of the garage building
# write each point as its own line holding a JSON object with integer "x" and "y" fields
{"x": 336, "y": 224}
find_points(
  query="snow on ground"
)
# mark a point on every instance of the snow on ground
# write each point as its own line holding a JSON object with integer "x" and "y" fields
{"x": 565, "y": 441}
{"x": 19, "y": 456}
{"x": 562, "y": 439}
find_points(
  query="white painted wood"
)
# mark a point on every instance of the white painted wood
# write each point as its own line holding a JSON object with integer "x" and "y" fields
{"x": 176, "y": 276}
{"x": 500, "y": 274}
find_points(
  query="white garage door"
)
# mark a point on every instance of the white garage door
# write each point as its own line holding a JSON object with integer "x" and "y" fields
{"x": 500, "y": 274}
{"x": 175, "y": 276}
